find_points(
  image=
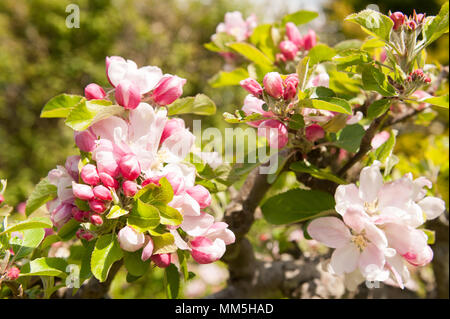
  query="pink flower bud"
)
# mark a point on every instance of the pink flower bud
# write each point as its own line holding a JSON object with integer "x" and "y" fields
{"x": 172, "y": 126}
{"x": 108, "y": 61}
{"x": 102, "y": 193}
{"x": 84, "y": 234}
{"x": 206, "y": 251}
{"x": 201, "y": 195}
{"x": 130, "y": 240}
{"x": 290, "y": 84}
{"x": 2, "y": 199}
{"x": 129, "y": 167}
{"x": 161, "y": 260}
{"x": 412, "y": 25}
{"x": 97, "y": 206}
{"x": 94, "y": 92}
{"x": 314, "y": 132}
{"x": 309, "y": 40}
{"x": 273, "y": 84}
{"x": 379, "y": 139}
{"x": 398, "y": 18}
{"x": 275, "y": 132}
{"x": 419, "y": 18}
{"x": 293, "y": 34}
{"x": 108, "y": 181}
{"x": 148, "y": 249}
{"x": 252, "y": 86}
{"x": 85, "y": 140}
{"x": 128, "y": 95}
{"x": 78, "y": 215}
{"x": 96, "y": 220}
{"x": 89, "y": 175}
{"x": 82, "y": 191}
{"x": 71, "y": 166}
{"x": 169, "y": 88}
{"x": 62, "y": 214}
{"x": 289, "y": 49}
{"x": 151, "y": 180}
{"x": 280, "y": 58}
{"x": 13, "y": 273}
{"x": 129, "y": 188}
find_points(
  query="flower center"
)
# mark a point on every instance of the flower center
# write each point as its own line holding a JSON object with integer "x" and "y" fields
{"x": 360, "y": 241}
{"x": 371, "y": 208}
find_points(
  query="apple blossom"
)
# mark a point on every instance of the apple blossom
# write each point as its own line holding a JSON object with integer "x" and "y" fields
{"x": 314, "y": 132}
{"x": 205, "y": 251}
{"x": 288, "y": 49}
{"x": 148, "y": 249}
{"x": 398, "y": 18}
{"x": 129, "y": 188}
{"x": 85, "y": 140}
{"x": 172, "y": 126}
{"x": 130, "y": 240}
{"x": 82, "y": 191}
{"x": 96, "y": 220}
{"x": 129, "y": 167}
{"x": 236, "y": 26}
{"x": 200, "y": 194}
{"x": 127, "y": 95}
{"x": 275, "y": 132}
{"x": 62, "y": 214}
{"x": 108, "y": 181}
{"x": 102, "y": 193}
{"x": 309, "y": 40}
{"x": 13, "y": 273}
{"x": 293, "y": 34}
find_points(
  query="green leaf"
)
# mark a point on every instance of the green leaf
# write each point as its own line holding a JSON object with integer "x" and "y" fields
{"x": 152, "y": 193}
{"x": 106, "y": 252}
{"x": 116, "y": 211}
{"x": 378, "y": 108}
{"x": 231, "y": 118}
{"x": 169, "y": 215}
{"x": 352, "y": 57}
{"x": 85, "y": 268}
{"x": 251, "y": 53}
{"x": 182, "y": 260}
{"x": 200, "y": 105}
{"x": 375, "y": 80}
{"x": 61, "y": 105}
{"x": 262, "y": 38}
{"x": 321, "y": 53}
{"x": 164, "y": 244}
{"x": 431, "y": 235}
{"x": 333, "y": 104}
{"x": 45, "y": 266}
{"x": 296, "y": 205}
{"x": 302, "y": 72}
{"x": 296, "y": 122}
{"x": 219, "y": 42}
{"x": 441, "y": 101}
{"x": 143, "y": 216}
{"x": 303, "y": 167}
{"x": 35, "y": 222}
{"x": 172, "y": 281}
{"x": 436, "y": 26}
{"x": 350, "y": 138}
{"x": 228, "y": 78}
{"x": 49, "y": 240}
{"x": 299, "y": 17}
{"x": 134, "y": 264}
{"x": 348, "y": 44}
{"x": 42, "y": 193}
{"x": 89, "y": 112}
{"x": 31, "y": 239}
{"x": 374, "y": 23}
{"x": 385, "y": 150}
{"x": 68, "y": 230}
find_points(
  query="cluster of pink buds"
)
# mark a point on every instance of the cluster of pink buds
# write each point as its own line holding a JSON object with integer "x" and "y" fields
{"x": 411, "y": 23}
{"x": 418, "y": 76}
{"x": 274, "y": 85}
{"x": 295, "y": 43}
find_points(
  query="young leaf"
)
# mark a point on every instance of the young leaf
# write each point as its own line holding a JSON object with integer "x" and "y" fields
{"x": 228, "y": 78}
{"x": 45, "y": 266}
{"x": 36, "y": 222}
{"x": 134, "y": 264}
{"x": 314, "y": 171}
{"x": 169, "y": 215}
{"x": 436, "y": 26}
{"x": 333, "y": 104}
{"x": 199, "y": 104}
{"x": 251, "y": 53}
{"x": 164, "y": 244}
{"x": 375, "y": 80}
{"x": 89, "y": 112}
{"x": 321, "y": 53}
{"x": 31, "y": 239}
{"x": 350, "y": 138}
{"x": 61, "y": 105}
{"x": 68, "y": 230}
{"x": 172, "y": 281}
{"x": 106, "y": 252}
{"x": 378, "y": 108}
{"x": 302, "y": 72}
{"x": 374, "y": 23}
{"x": 296, "y": 205}
{"x": 42, "y": 193}
{"x": 143, "y": 216}
{"x": 299, "y": 17}
{"x": 116, "y": 211}
{"x": 441, "y": 101}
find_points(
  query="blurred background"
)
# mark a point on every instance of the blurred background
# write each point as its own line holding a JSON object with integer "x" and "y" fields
{"x": 40, "y": 57}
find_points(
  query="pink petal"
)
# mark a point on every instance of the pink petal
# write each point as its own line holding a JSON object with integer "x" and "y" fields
{"x": 330, "y": 231}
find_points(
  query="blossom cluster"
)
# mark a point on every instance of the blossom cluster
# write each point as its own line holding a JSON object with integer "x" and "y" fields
{"x": 380, "y": 228}
{"x": 295, "y": 43}
{"x": 121, "y": 155}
